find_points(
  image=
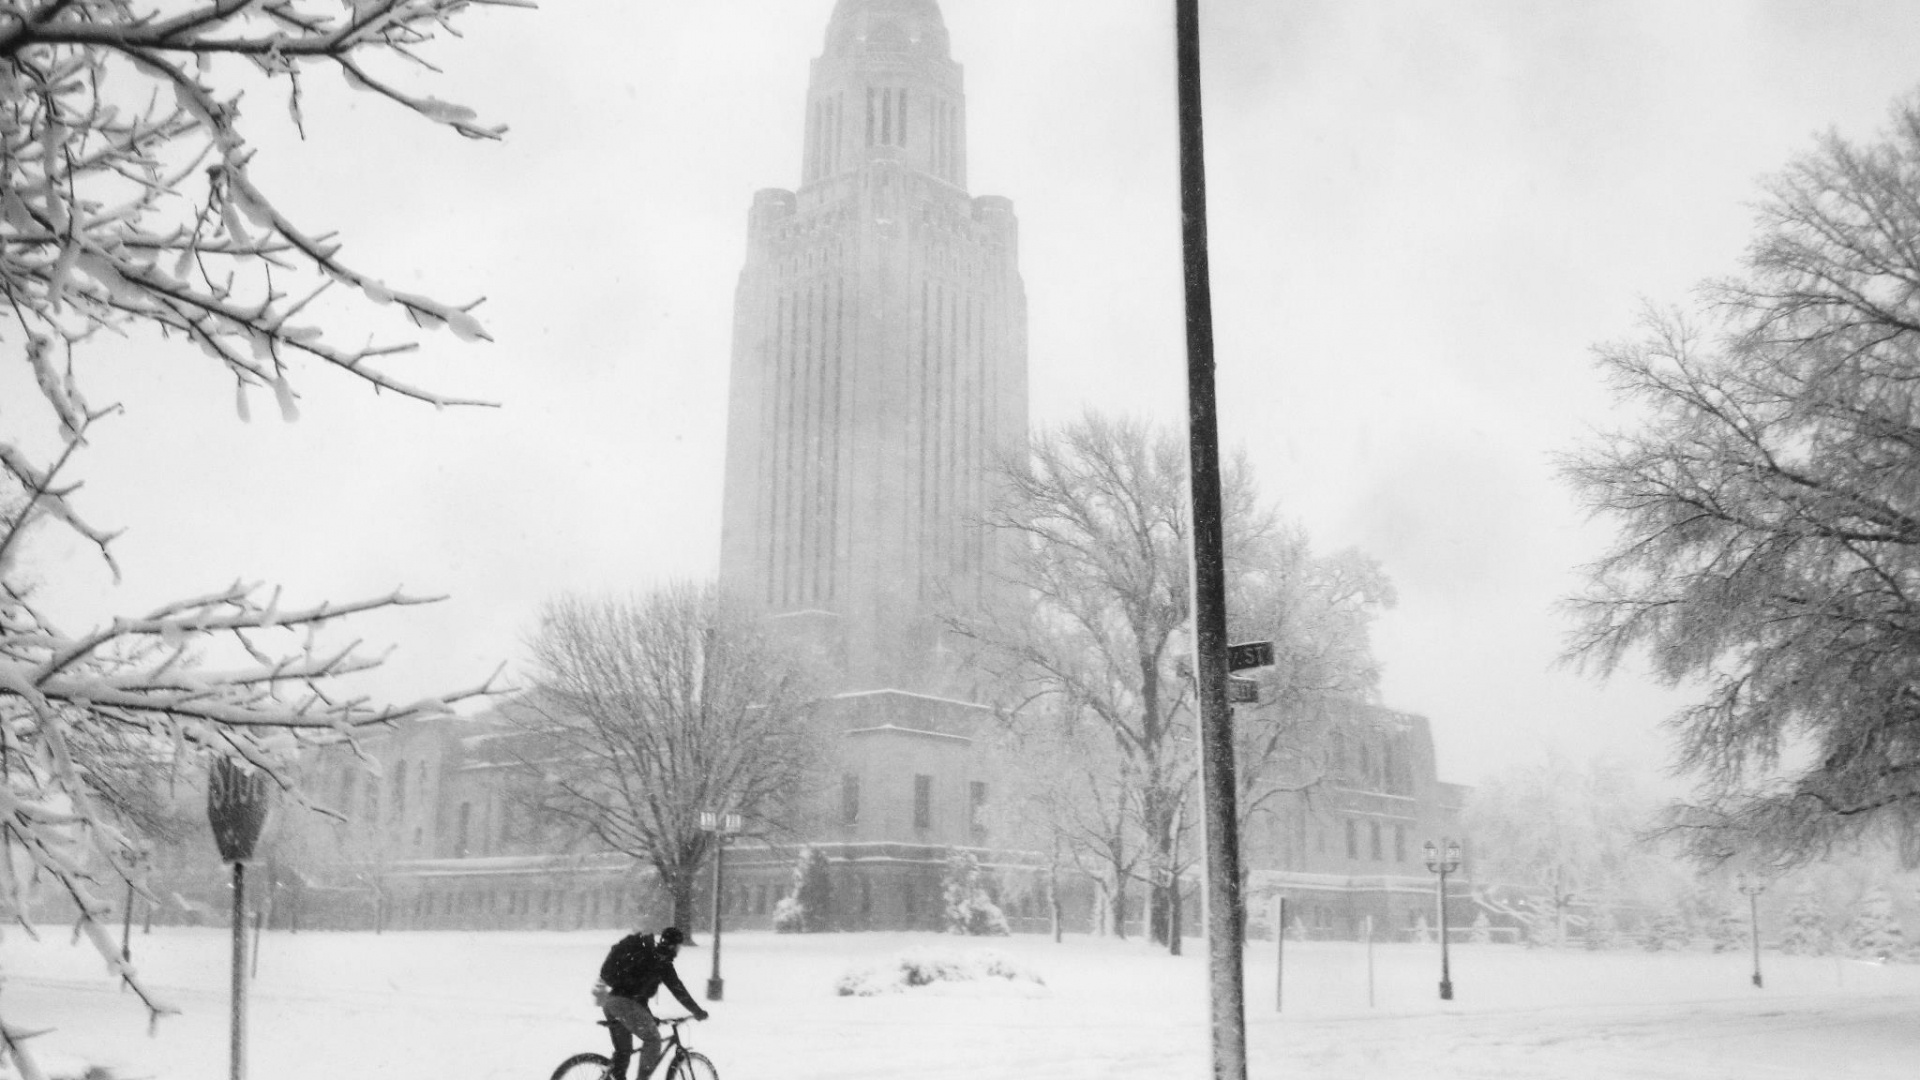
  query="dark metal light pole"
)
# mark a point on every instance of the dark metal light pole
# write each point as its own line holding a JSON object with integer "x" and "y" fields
{"x": 1444, "y": 864}
{"x": 237, "y": 810}
{"x": 721, "y": 826}
{"x": 1226, "y": 932}
{"x": 1753, "y": 887}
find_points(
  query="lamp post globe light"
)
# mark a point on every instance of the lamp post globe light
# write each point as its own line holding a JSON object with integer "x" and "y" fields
{"x": 1753, "y": 886}
{"x": 721, "y": 825}
{"x": 1443, "y": 863}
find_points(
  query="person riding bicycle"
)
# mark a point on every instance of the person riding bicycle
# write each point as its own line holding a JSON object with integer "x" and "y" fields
{"x": 637, "y": 966}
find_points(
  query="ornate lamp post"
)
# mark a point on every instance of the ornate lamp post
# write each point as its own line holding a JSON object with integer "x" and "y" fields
{"x": 1753, "y": 886}
{"x": 237, "y": 810}
{"x": 1444, "y": 864}
{"x": 721, "y": 826}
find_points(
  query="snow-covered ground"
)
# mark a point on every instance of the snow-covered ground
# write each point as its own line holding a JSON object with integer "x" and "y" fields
{"x": 510, "y": 1006}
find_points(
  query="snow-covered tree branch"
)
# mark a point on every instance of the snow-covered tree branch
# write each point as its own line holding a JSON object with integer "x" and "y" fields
{"x": 129, "y": 209}
{"x": 1768, "y": 538}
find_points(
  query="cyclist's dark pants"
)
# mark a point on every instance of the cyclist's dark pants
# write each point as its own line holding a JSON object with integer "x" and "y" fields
{"x": 631, "y": 1018}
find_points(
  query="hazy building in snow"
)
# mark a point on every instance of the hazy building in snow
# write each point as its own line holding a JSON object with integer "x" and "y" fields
{"x": 879, "y": 361}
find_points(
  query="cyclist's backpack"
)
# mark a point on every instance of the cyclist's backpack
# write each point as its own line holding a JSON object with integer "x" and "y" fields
{"x": 629, "y": 957}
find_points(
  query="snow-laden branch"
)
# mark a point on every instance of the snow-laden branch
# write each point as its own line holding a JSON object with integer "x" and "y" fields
{"x": 128, "y": 205}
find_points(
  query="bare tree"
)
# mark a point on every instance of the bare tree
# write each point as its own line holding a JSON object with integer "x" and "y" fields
{"x": 1094, "y": 642}
{"x": 1064, "y": 792}
{"x": 645, "y": 712}
{"x": 1100, "y": 578}
{"x": 1769, "y": 536}
{"x": 128, "y": 208}
{"x": 1319, "y": 611}
{"x": 1572, "y": 833}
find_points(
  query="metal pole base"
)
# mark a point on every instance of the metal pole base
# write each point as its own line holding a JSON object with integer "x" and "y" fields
{"x": 715, "y": 986}
{"x": 1446, "y": 991}
{"x": 1756, "y": 981}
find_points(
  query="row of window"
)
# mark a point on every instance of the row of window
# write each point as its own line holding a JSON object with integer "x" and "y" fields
{"x": 888, "y": 122}
{"x": 612, "y": 902}
{"x": 806, "y": 343}
{"x": 922, "y": 802}
{"x": 1383, "y": 765}
{"x": 1375, "y": 835}
{"x": 368, "y": 806}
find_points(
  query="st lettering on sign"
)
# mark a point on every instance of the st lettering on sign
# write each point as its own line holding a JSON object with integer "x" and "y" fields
{"x": 1249, "y": 654}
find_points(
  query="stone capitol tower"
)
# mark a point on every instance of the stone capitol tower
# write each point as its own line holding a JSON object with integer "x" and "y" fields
{"x": 879, "y": 362}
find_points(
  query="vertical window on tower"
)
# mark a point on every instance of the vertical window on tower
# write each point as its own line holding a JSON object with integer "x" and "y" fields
{"x": 869, "y": 116}
{"x": 954, "y": 127}
{"x": 849, "y": 798}
{"x": 923, "y": 801}
{"x": 903, "y": 118}
{"x": 886, "y": 118}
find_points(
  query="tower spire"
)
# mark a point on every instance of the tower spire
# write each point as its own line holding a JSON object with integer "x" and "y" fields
{"x": 885, "y": 88}
{"x": 912, "y": 26}
{"x": 879, "y": 365}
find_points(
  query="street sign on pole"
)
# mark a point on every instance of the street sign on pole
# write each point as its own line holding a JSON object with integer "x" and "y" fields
{"x": 1249, "y": 654}
{"x": 1242, "y": 690}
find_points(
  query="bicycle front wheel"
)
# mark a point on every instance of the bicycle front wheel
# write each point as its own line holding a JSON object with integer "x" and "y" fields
{"x": 583, "y": 1067}
{"x": 692, "y": 1066}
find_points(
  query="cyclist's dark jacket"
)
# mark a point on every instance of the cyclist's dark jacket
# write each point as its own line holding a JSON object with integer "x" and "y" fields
{"x": 635, "y": 968}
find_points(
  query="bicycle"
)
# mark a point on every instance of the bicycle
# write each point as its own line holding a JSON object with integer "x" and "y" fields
{"x": 678, "y": 1061}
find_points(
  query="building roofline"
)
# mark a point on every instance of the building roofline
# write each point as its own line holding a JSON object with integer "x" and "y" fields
{"x": 897, "y": 729}
{"x": 851, "y": 694}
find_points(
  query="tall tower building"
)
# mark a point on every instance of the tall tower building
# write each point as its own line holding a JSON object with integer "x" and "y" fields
{"x": 879, "y": 361}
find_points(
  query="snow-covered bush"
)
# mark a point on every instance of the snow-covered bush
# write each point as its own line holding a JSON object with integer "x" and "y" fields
{"x": 969, "y": 910}
{"x": 1599, "y": 933}
{"x": 1806, "y": 933}
{"x": 1482, "y": 929}
{"x": 1876, "y": 932}
{"x": 1727, "y": 930}
{"x": 1666, "y": 931}
{"x": 972, "y": 971}
{"x": 789, "y": 916}
{"x": 808, "y": 909}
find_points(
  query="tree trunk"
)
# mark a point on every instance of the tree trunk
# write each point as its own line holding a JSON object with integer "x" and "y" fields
{"x": 1053, "y": 899}
{"x": 680, "y": 889}
{"x": 1161, "y": 821}
{"x": 1173, "y": 917}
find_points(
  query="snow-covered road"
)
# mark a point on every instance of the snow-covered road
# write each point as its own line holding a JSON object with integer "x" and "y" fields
{"x": 510, "y": 1006}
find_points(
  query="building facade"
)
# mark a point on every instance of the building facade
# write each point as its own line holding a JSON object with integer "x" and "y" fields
{"x": 878, "y": 373}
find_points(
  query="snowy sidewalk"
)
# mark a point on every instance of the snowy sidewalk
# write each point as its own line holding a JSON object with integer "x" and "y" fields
{"x": 510, "y": 1006}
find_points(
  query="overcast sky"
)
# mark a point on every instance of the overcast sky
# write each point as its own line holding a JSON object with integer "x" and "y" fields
{"x": 1423, "y": 217}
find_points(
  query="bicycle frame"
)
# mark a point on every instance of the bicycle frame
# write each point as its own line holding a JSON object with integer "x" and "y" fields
{"x": 674, "y": 1053}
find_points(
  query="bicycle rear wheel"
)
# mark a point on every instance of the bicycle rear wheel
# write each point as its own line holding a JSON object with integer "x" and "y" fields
{"x": 583, "y": 1067}
{"x": 692, "y": 1066}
